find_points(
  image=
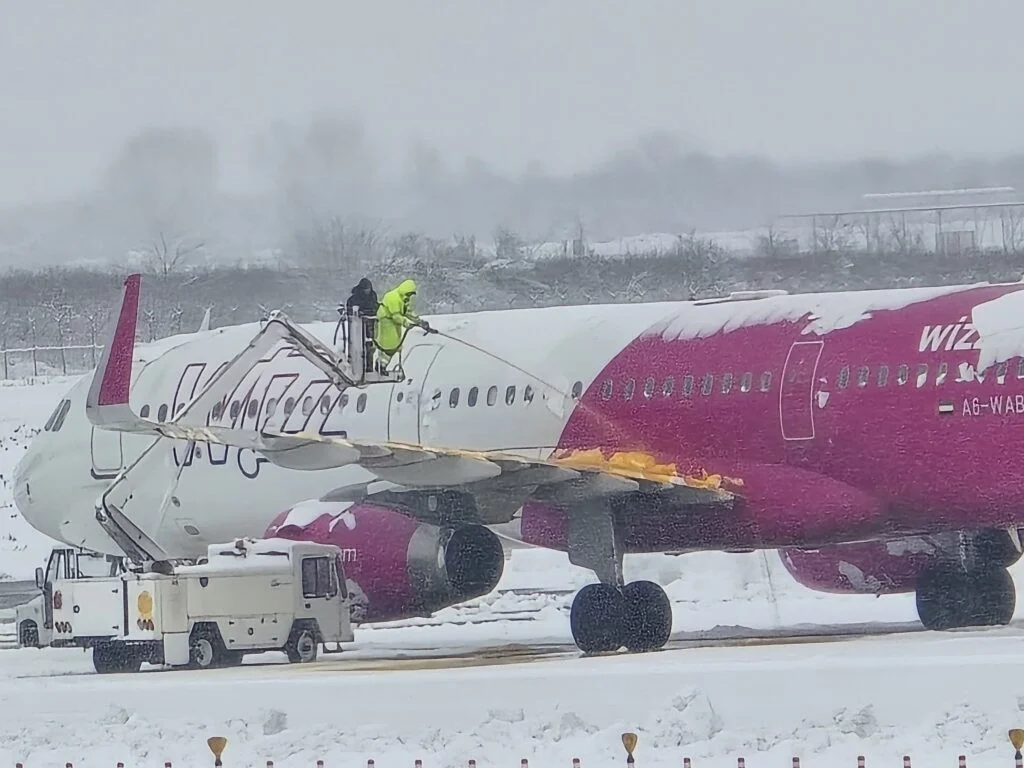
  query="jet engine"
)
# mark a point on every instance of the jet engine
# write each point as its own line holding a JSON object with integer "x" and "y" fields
{"x": 896, "y": 565}
{"x": 395, "y": 565}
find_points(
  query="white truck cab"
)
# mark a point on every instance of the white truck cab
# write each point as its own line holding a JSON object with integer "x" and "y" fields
{"x": 246, "y": 596}
{"x": 34, "y": 619}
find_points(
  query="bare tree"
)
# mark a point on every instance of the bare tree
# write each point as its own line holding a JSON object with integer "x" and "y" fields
{"x": 166, "y": 259}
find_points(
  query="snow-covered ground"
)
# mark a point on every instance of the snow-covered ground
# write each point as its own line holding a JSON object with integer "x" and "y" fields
{"x": 512, "y": 686}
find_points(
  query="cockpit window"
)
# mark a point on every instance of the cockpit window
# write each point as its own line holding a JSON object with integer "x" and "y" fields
{"x": 56, "y": 420}
{"x": 53, "y": 417}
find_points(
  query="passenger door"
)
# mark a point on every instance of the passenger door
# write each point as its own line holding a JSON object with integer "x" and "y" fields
{"x": 107, "y": 457}
{"x": 407, "y": 409}
{"x": 796, "y": 394}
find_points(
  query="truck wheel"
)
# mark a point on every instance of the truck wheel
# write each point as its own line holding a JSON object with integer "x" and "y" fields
{"x": 203, "y": 650}
{"x": 302, "y": 646}
{"x": 114, "y": 657}
{"x": 29, "y": 635}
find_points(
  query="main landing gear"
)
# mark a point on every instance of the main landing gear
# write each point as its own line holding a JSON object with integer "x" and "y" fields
{"x": 950, "y": 596}
{"x": 609, "y": 615}
{"x": 605, "y": 617}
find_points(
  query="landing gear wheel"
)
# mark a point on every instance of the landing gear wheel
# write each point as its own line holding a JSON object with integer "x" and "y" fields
{"x": 597, "y": 618}
{"x": 994, "y": 598}
{"x": 302, "y": 646}
{"x": 949, "y": 597}
{"x": 939, "y": 596}
{"x": 648, "y": 623}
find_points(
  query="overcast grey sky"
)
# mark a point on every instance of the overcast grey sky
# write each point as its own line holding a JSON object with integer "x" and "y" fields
{"x": 560, "y": 84}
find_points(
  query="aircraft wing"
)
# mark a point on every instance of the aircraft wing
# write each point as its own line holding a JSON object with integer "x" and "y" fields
{"x": 562, "y": 477}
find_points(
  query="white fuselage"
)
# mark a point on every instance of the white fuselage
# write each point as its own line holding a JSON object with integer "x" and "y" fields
{"x": 516, "y": 397}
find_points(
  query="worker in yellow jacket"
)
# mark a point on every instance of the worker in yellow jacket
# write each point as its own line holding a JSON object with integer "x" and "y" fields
{"x": 394, "y": 315}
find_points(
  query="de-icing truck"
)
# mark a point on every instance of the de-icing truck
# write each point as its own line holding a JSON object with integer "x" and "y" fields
{"x": 246, "y": 596}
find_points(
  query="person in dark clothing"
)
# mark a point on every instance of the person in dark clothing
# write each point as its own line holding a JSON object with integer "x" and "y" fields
{"x": 363, "y": 301}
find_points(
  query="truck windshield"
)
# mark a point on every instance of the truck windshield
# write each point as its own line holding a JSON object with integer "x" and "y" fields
{"x": 92, "y": 566}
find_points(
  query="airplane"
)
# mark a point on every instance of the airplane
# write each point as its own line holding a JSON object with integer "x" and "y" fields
{"x": 868, "y": 435}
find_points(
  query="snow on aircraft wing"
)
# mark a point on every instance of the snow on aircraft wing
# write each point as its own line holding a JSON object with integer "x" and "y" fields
{"x": 564, "y": 475}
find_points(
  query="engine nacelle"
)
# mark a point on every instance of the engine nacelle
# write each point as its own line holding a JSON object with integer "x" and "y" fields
{"x": 889, "y": 567}
{"x": 396, "y": 566}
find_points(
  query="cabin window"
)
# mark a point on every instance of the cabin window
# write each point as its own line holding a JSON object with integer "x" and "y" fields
{"x": 492, "y": 395}
{"x": 883, "y": 375}
{"x": 307, "y": 405}
{"x": 844, "y": 377}
{"x": 271, "y": 406}
{"x": 746, "y": 381}
{"x": 649, "y": 387}
{"x": 687, "y": 389}
{"x": 577, "y": 390}
{"x": 940, "y": 377}
{"x": 143, "y": 412}
{"x": 922, "y": 374}
{"x": 628, "y": 388}
{"x": 344, "y": 401}
{"x": 528, "y": 394}
{"x": 668, "y": 386}
{"x": 1001, "y": 372}
{"x": 902, "y": 374}
{"x": 726, "y": 383}
{"x": 453, "y": 398}
{"x": 361, "y": 402}
{"x": 325, "y": 404}
{"x": 863, "y": 375}
{"x": 510, "y": 395}
{"x": 161, "y": 412}
{"x": 473, "y": 394}
{"x": 289, "y": 406}
{"x": 707, "y": 383}
{"x": 606, "y": 389}
{"x": 254, "y": 409}
{"x": 766, "y": 381}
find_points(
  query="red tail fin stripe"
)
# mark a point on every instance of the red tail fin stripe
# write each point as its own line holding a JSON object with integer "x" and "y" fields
{"x": 117, "y": 376}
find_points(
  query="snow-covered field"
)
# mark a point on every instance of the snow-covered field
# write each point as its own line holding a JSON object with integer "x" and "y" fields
{"x": 450, "y": 688}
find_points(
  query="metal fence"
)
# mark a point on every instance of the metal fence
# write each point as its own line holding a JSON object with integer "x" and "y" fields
{"x": 49, "y": 361}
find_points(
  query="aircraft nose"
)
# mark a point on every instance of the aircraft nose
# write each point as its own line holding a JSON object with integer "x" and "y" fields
{"x": 22, "y": 479}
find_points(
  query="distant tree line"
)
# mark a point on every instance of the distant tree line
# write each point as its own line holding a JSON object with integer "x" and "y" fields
{"x": 59, "y": 307}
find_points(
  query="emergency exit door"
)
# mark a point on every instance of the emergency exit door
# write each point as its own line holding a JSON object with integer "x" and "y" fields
{"x": 796, "y": 394}
{"x": 407, "y": 407}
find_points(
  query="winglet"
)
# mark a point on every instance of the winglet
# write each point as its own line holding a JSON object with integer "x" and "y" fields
{"x": 204, "y": 325}
{"x": 107, "y": 401}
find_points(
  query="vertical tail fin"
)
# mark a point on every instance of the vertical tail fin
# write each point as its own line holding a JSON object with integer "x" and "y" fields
{"x": 107, "y": 401}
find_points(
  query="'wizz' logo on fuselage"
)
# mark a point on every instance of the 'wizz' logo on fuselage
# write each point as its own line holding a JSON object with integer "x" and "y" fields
{"x": 958, "y": 337}
{"x": 260, "y": 398}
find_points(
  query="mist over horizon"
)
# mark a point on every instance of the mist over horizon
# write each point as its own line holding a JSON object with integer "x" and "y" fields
{"x": 234, "y": 129}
